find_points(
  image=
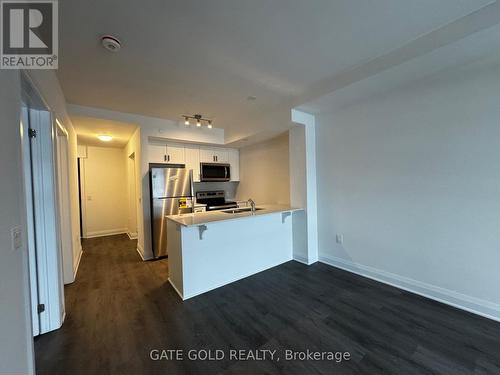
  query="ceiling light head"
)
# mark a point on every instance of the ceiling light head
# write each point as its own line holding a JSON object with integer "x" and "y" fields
{"x": 186, "y": 121}
{"x": 198, "y": 120}
{"x": 104, "y": 137}
{"x": 111, "y": 43}
{"x": 209, "y": 124}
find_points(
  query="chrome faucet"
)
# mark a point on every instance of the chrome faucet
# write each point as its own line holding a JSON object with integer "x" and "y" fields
{"x": 252, "y": 204}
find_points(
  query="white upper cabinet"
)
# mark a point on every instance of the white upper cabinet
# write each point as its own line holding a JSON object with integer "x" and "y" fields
{"x": 175, "y": 154}
{"x": 234, "y": 162}
{"x": 192, "y": 153}
{"x": 221, "y": 155}
{"x": 157, "y": 153}
{"x": 206, "y": 155}
{"x": 161, "y": 153}
{"x": 214, "y": 155}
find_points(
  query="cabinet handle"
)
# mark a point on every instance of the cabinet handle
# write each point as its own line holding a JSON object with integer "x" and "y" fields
{"x": 168, "y": 157}
{"x": 164, "y": 157}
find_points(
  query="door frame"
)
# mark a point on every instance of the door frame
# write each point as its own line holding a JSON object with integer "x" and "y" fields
{"x": 62, "y": 172}
{"x": 132, "y": 195}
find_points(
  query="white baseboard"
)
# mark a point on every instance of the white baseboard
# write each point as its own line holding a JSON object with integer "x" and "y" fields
{"x": 75, "y": 269}
{"x": 301, "y": 259}
{"x": 175, "y": 288}
{"x": 471, "y": 304}
{"x": 103, "y": 233}
{"x": 132, "y": 236}
{"x": 141, "y": 253}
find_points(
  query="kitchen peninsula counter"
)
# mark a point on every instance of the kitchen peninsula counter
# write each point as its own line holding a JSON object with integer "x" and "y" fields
{"x": 210, "y": 249}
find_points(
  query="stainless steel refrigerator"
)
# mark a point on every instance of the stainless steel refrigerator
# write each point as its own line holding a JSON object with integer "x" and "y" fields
{"x": 171, "y": 194}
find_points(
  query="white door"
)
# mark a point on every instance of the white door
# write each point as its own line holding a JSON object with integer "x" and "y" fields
{"x": 157, "y": 153}
{"x": 175, "y": 154}
{"x": 30, "y": 222}
{"x": 46, "y": 261}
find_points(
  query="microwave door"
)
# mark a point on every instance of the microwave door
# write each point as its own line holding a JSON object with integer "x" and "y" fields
{"x": 214, "y": 172}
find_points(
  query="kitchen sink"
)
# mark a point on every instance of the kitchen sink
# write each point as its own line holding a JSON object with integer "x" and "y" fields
{"x": 241, "y": 210}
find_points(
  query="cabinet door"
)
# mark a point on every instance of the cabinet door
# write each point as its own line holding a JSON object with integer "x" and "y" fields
{"x": 156, "y": 153}
{"x": 234, "y": 161}
{"x": 192, "y": 154}
{"x": 221, "y": 155}
{"x": 207, "y": 155}
{"x": 175, "y": 154}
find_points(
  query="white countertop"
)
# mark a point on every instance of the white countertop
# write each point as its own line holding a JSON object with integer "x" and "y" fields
{"x": 201, "y": 218}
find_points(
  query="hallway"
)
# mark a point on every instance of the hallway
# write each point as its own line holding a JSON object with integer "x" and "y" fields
{"x": 121, "y": 308}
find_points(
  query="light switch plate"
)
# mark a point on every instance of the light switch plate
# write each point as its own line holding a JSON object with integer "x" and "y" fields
{"x": 17, "y": 238}
{"x": 339, "y": 238}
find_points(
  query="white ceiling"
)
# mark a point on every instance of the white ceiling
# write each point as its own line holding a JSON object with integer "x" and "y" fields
{"x": 89, "y": 128}
{"x": 207, "y": 57}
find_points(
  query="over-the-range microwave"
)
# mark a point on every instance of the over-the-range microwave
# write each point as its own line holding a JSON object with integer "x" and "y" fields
{"x": 215, "y": 172}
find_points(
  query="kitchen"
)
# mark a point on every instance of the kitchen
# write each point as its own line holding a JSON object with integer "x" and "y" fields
{"x": 202, "y": 220}
{"x": 190, "y": 182}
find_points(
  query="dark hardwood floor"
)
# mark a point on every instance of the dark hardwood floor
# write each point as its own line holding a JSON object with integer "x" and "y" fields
{"x": 120, "y": 308}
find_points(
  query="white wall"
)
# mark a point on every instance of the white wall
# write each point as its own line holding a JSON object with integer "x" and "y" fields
{"x": 105, "y": 191}
{"x": 411, "y": 179}
{"x": 16, "y": 345}
{"x": 264, "y": 172}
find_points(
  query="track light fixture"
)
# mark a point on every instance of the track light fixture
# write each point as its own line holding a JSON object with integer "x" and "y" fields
{"x": 199, "y": 120}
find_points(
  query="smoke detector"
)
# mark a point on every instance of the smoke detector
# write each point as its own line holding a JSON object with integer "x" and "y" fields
{"x": 111, "y": 43}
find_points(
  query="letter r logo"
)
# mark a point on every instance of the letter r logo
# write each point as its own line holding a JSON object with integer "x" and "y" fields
{"x": 27, "y": 27}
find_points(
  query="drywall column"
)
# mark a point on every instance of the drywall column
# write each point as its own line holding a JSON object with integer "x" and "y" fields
{"x": 16, "y": 346}
{"x": 303, "y": 186}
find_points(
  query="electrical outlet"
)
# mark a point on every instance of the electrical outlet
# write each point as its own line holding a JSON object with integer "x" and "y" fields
{"x": 339, "y": 238}
{"x": 17, "y": 238}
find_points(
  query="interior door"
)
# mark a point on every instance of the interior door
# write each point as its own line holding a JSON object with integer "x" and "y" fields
{"x": 28, "y": 190}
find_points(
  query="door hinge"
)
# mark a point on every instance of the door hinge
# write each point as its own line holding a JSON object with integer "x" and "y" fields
{"x": 40, "y": 308}
{"x": 32, "y": 133}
